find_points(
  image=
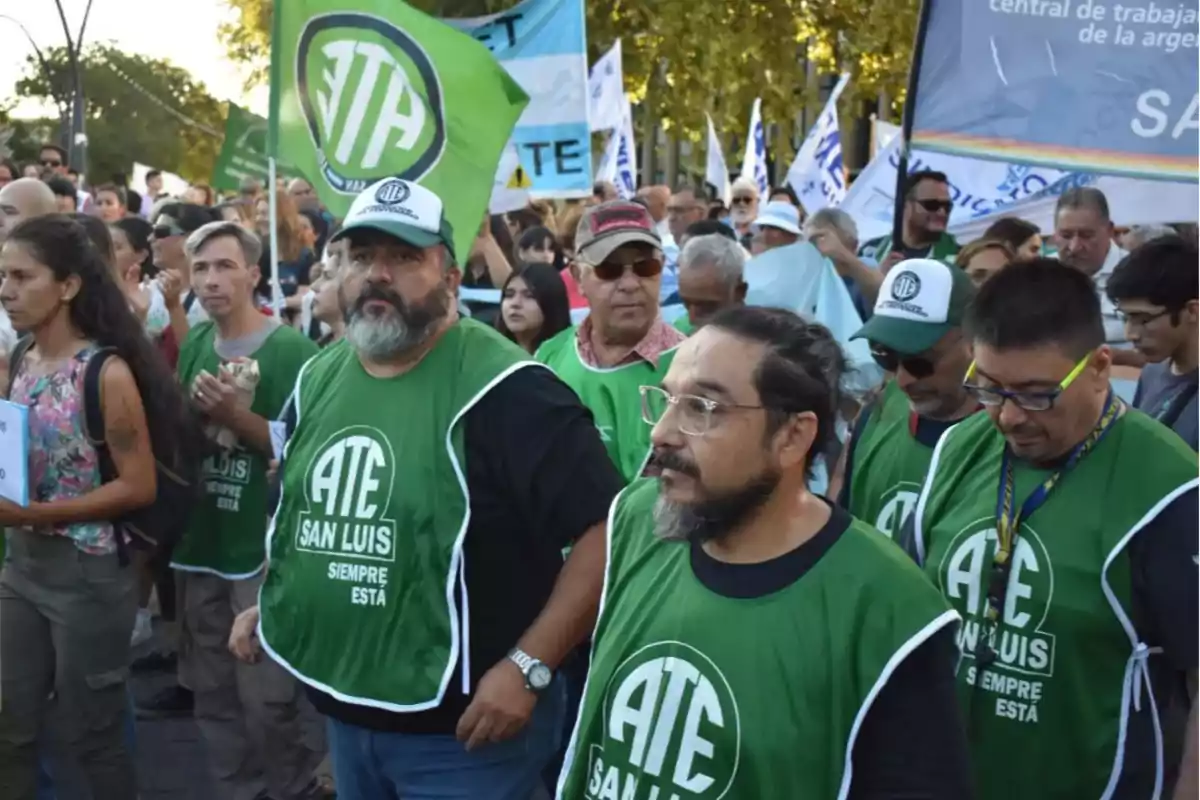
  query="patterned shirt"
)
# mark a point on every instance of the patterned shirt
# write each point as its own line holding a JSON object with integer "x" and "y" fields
{"x": 660, "y": 338}
{"x": 62, "y": 463}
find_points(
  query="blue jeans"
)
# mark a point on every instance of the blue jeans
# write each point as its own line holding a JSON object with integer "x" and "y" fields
{"x": 390, "y": 766}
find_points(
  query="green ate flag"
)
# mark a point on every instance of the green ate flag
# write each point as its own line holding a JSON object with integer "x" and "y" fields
{"x": 244, "y": 151}
{"x": 367, "y": 89}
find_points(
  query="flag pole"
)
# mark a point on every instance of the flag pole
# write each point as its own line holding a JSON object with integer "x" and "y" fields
{"x": 272, "y": 206}
{"x": 906, "y": 121}
{"x": 272, "y": 153}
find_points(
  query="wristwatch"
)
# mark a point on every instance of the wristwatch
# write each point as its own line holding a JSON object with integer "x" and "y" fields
{"x": 537, "y": 675}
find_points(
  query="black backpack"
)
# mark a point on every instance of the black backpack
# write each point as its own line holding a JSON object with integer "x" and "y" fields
{"x": 158, "y": 526}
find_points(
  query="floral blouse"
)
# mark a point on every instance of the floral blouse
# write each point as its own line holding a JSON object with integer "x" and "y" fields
{"x": 62, "y": 463}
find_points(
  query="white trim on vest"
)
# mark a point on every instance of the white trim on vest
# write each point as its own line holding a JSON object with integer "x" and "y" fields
{"x": 947, "y": 617}
{"x": 1137, "y": 674}
{"x": 569, "y": 753}
{"x": 458, "y": 567}
{"x": 455, "y": 573}
{"x": 919, "y": 513}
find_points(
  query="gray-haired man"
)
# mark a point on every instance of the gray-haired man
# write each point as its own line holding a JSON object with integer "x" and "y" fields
{"x": 239, "y": 367}
{"x": 710, "y": 278}
{"x": 833, "y": 232}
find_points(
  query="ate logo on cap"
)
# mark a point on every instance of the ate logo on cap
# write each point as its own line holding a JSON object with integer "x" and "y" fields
{"x": 906, "y": 286}
{"x": 392, "y": 193}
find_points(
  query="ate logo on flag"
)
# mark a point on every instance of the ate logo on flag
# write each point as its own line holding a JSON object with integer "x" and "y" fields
{"x": 372, "y": 100}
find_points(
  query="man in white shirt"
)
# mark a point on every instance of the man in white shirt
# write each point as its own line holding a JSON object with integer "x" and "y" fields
{"x": 1084, "y": 236}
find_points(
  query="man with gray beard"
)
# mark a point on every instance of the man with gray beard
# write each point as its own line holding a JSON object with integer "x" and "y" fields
{"x": 786, "y": 647}
{"x": 431, "y": 478}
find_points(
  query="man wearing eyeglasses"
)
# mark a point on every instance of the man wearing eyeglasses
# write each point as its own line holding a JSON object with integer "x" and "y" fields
{"x": 755, "y": 641}
{"x": 916, "y": 335}
{"x": 927, "y": 207}
{"x": 624, "y": 342}
{"x": 1062, "y": 526}
{"x": 1157, "y": 294}
{"x": 743, "y": 209}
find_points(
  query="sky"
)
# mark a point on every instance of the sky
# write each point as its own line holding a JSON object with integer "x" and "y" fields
{"x": 181, "y": 31}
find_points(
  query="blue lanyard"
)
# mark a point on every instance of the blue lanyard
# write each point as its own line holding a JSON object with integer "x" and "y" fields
{"x": 1007, "y": 524}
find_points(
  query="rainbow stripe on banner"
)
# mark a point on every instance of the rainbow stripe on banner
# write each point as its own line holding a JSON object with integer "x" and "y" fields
{"x": 1113, "y": 162}
{"x": 1085, "y": 87}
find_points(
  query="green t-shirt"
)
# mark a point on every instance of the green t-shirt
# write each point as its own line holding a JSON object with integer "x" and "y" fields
{"x": 228, "y": 526}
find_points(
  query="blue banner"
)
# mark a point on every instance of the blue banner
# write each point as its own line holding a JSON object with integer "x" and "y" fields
{"x": 1091, "y": 85}
{"x": 543, "y": 45}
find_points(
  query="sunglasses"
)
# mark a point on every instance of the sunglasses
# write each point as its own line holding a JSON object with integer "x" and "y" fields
{"x": 643, "y": 268}
{"x": 891, "y": 361}
{"x": 51, "y": 163}
{"x": 740, "y": 201}
{"x": 933, "y": 206}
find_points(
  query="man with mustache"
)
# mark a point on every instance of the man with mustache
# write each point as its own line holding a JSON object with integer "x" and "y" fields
{"x": 432, "y": 476}
{"x": 755, "y": 641}
{"x": 916, "y": 335}
{"x": 1062, "y": 526}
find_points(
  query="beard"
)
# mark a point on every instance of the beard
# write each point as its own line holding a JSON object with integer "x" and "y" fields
{"x": 742, "y": 214}
{"x": 716, "y": 514}
{"x": 385, "y": 337}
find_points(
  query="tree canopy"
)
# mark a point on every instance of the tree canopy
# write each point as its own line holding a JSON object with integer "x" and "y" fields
{"x": 682, "y": 59}
{"x": 171, "y": 122}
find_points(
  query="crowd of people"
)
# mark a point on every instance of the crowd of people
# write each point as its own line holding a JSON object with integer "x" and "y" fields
{"x": 407, "y": 542}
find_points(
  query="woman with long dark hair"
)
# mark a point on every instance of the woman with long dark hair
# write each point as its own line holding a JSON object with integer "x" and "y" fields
{"x": 533, "y": 306}
{"x": 66, "y": 604}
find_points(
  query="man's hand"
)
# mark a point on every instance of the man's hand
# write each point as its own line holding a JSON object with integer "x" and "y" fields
{"x": 501, "y": 707}
{"x": 892, "y": 259}
{"x": 243, "y": 638}
{"x": 832, "y": 248}
{"x": 215, "y": 397}
{"x": 170, "y": 283}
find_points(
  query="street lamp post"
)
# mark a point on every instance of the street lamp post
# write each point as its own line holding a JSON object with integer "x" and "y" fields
{"x": 78, "y": 143}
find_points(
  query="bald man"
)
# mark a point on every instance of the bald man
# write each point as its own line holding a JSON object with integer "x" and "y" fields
{"x": 22, "y": 199}
{"x": 657, "y": 199}
{"x": 19, "y": 200}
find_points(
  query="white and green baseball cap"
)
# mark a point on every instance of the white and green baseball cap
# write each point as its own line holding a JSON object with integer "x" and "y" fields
{"x": 403, "y": 209}
{"x": 919, "y": 302}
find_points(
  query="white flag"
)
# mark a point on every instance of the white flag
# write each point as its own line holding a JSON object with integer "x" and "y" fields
{"x": 508, "y": 193}
{"x": 606, "y": 91}
{"x": 754, "y": 162}
{"x": 715, "y": 172}
{"x": 817, "y": 176}
{"x": 626, "y": 156}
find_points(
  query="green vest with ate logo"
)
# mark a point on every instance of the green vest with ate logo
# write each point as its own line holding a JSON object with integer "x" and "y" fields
{"x": 361, "y": 595}
{"x": 695, "y": 696}
{"x": 889, "y": 465}
{"x": 611, "y": 394}
{"x": 225, "y": 534}
{"x": 1045, "y": 718}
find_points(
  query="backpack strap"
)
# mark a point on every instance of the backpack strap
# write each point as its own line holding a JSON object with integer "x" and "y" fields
{"x": 93, "y": 429}
{"x": 93, "y": 410}
{"x": 1170, "y": 415}
{"x": 14, "y": 361}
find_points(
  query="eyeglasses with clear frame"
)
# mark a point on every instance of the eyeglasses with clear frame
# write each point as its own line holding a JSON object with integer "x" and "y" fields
{"x": 695, "y": 413}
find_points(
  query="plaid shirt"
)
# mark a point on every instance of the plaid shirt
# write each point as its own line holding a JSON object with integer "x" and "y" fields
{"x": 660, "y": 338}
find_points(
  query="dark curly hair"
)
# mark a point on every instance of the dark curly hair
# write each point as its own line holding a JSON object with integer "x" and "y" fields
{"x": 101, "y": 314}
